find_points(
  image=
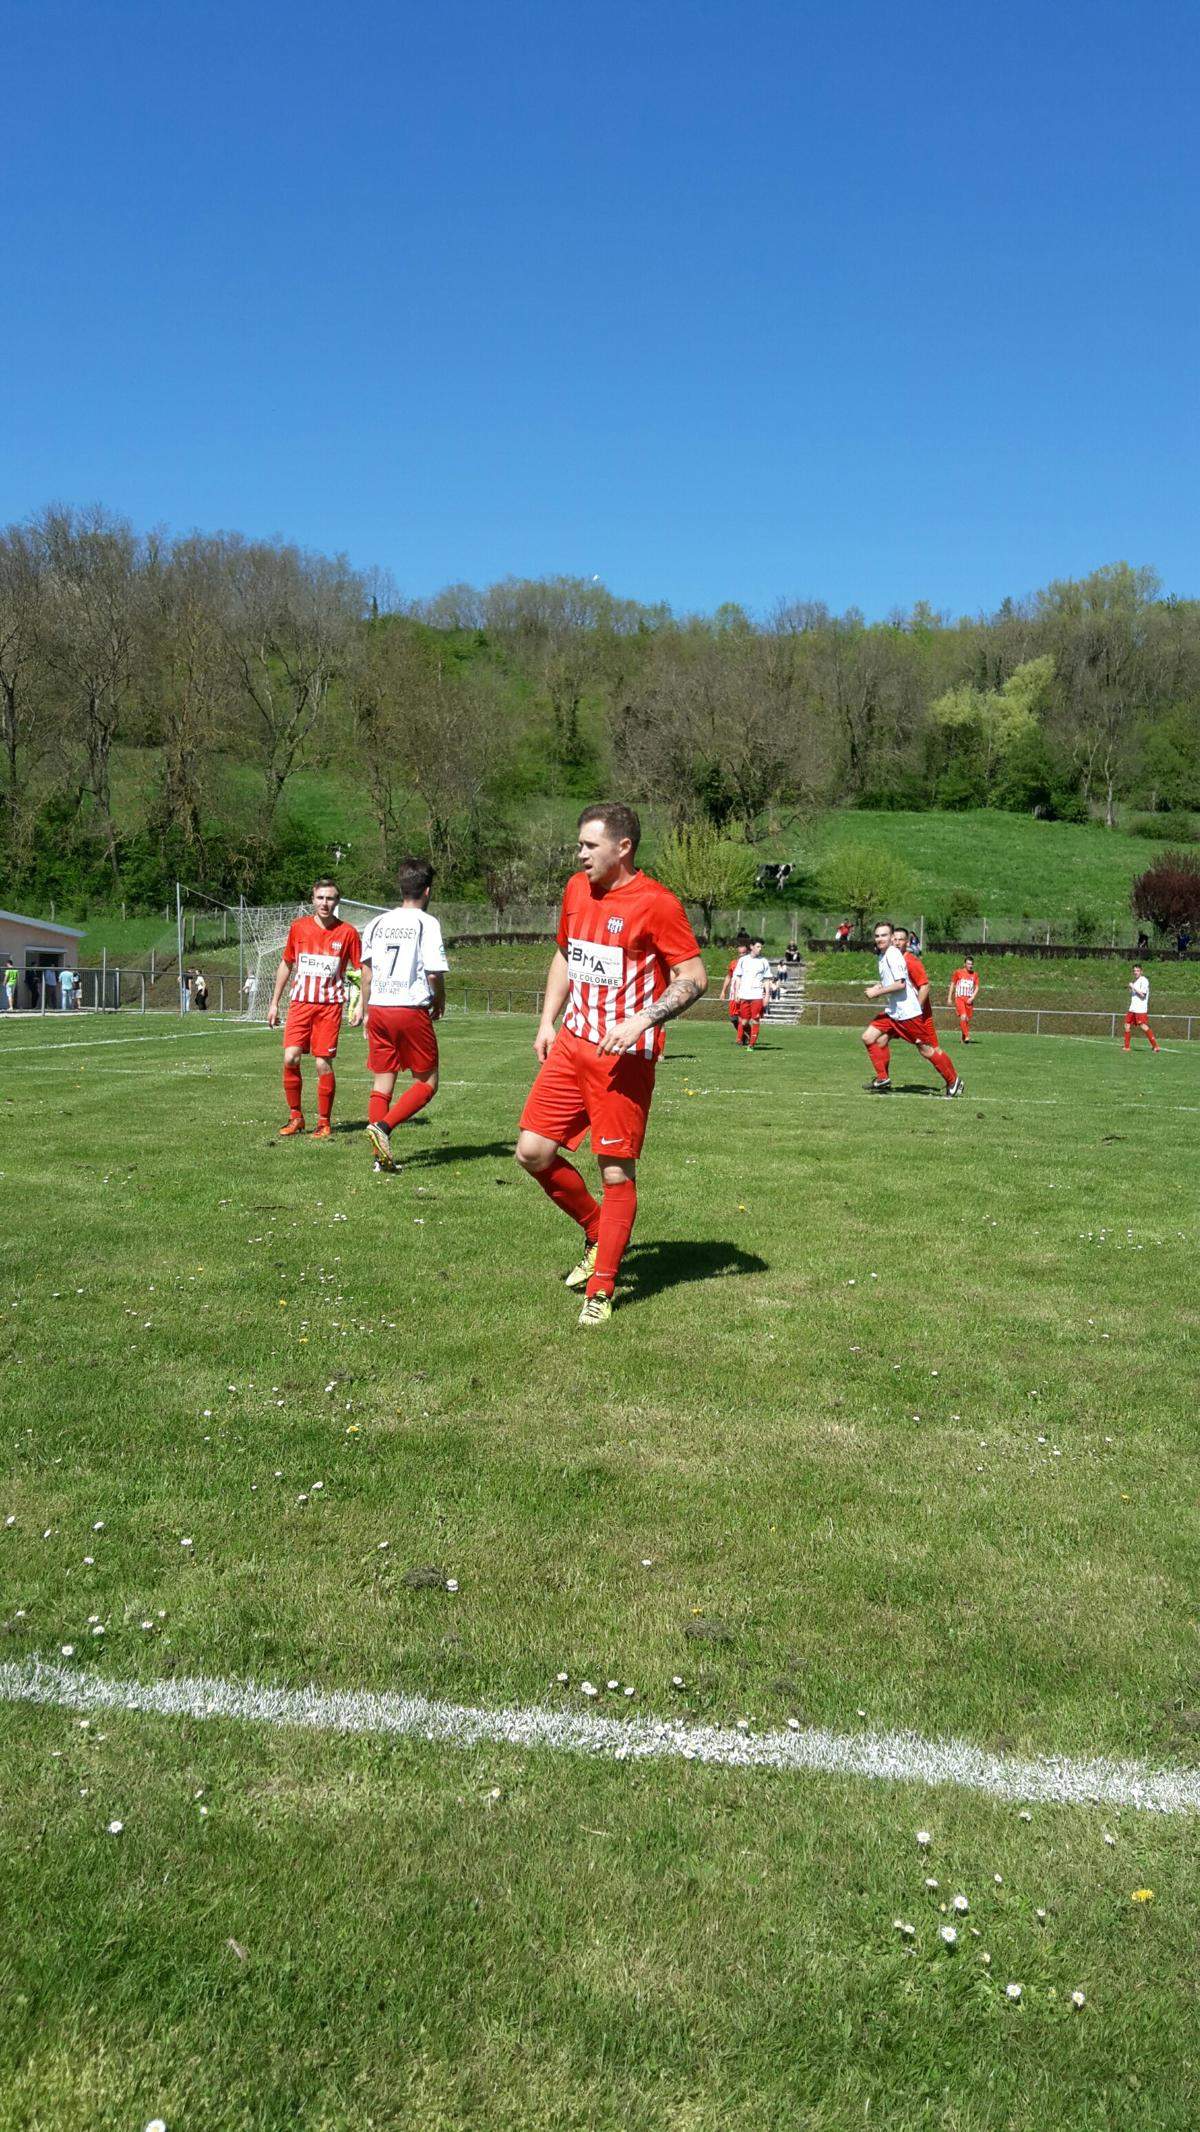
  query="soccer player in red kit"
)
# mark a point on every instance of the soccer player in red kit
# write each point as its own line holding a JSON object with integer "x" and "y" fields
{"x": 963, "y": 993}
{"x": 904, "y": 1015}
{"x": 1137, "y": 1013}
{"x": 318, "y": 952}
{"x": 403, "y": 995}
{"x": 728, "y": 989}
{"x": 753, "y": 982}
{"x": 627, "y": 962}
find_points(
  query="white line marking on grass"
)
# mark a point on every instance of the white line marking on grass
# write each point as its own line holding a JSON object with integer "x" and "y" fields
{"x": 897, "y": 1757}
{"x": 94, "y": 1043}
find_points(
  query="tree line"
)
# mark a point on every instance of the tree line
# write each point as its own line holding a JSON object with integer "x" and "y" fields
{"x": 160, "y": 695}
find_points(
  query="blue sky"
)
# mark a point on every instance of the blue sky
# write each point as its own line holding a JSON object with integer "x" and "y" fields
{"x": 863, "y": 303}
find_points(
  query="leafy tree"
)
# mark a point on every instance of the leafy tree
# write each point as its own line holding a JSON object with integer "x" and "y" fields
{"x": 1168, "y": 893}
{"x": 702, "y": 866}
{"x": 956, "y": 911}
{"x": 864, "y": 877}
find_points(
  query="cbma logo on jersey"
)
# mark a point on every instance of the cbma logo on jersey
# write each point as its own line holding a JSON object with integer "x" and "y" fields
{"x": 590, "y": 962}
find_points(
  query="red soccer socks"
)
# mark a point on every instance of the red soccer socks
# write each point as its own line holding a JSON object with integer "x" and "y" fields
{"x": 415, "y": 1097}
{"x": 618, "y": 1212}
{"x": 562, "y": 1183}
{"x": 326, "y": 1083}
{"x": 293, "y": 1089}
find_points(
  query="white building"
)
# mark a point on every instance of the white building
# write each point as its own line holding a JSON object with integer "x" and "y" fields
{"x": 34, "y": 945}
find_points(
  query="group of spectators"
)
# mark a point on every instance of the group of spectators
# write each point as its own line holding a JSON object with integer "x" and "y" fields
{"x": 193, "y": 991}
{"x": 59, "y": 988}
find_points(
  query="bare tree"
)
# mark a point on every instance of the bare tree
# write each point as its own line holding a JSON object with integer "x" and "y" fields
{"x": 186, "y": 675}
{"x": 1099, "y": 627}
{"x": 22, "y": 665}
{"x": 290, "y": 625}
{"x": 92, "y": 579}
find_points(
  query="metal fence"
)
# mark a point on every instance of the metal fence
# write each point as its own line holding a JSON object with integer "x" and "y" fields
{"x": 1021, "y": 1021}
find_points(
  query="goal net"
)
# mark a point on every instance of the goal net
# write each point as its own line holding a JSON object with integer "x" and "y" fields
{"x": 264, "y": 929}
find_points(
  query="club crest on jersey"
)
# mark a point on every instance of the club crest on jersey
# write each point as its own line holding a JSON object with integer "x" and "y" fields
{"x": 616, "y": 925}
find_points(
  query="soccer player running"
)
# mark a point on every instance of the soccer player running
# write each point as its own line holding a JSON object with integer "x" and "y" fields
{"x": 319, "y": 950}
{"x": 903, "y": 1017}
{"x": 728, "y": 991}
{"x": 1137, "y": 1014}
{"x": 403, "y": 994}
{"x": 626, "y": 963}
{"x": 752, "y": 983}
{"x": 963, "y": 993}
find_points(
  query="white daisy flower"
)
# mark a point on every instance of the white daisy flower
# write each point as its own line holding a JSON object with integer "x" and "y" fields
{"x": 924, "y": 1839}
{"x": 960, "y": 1904}
{"x": 452, "y": 1584}
{"x": 1078, "y": 1999}
{"x": 1012, "y": 1991}
{"x": 115, "y": 1828}
{"x": 586, "y": 1688}
{"x": 67, "y": 1649}
{"x": 932, "y": 1884}
{"x": 562, "y": 1679}
{"x": 949, "y": 1935}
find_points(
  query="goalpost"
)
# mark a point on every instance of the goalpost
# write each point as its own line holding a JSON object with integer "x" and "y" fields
{"x": 262, "y": 936}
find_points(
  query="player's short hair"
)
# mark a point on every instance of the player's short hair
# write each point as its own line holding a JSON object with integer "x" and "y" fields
{"x": 756, "y": 940}
{"x": 885, "y": 922}
{"x": 323, "y": 881}
{"x": 618, "y": 819}
{"x": 414, "y": 877}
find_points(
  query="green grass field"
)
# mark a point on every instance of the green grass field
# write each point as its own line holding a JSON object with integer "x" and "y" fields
{"x": 893, "y": 1431}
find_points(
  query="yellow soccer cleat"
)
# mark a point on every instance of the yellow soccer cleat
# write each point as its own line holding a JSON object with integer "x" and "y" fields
{"x": 381, "y": 1141}
{"x": 597, "y": 1310}
{"x": 580, "y": 1275}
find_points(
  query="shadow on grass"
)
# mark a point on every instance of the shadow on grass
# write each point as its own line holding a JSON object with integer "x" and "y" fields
{"x": 648, "y": 1268}
{"x": 432, "y": 1158}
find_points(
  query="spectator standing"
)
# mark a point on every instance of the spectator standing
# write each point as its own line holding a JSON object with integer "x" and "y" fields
{"x": 841, "y": 937}
{"x": 66, "y": 991}
{"x": 10, "y": 984}
{"x": 185, "y": 991}
{"x": 200, "y": 990}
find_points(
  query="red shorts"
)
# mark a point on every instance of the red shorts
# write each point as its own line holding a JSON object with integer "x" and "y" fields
{"x": 1137, "y": 1021}
{"x": 750, "y": 1010}
{"x": 401, "y": 1040}
{"x": 919, "y": 1030}
{"x": 313, "y": 1027}
{"x": 578, "y": 1090}
{"x": 966, "y": 1008}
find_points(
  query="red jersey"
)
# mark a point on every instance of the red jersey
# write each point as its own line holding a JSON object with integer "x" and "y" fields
{"x": 919, "y": 975}
{"x": 620, "y": 945}
{"x": 319, "y": 955}
{"x": 965, "y": 983}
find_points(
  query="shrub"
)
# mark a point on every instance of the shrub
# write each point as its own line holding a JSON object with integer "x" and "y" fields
{"x": 1162, "y": 828}
{"x": 956, "y": 910}
{"x": 1168, "y": 893}
{"x": 1084, "y": 926}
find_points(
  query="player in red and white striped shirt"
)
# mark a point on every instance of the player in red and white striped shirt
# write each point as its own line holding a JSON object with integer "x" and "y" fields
{"x": 318, "y": 952}
{"x": 626, "y": 963}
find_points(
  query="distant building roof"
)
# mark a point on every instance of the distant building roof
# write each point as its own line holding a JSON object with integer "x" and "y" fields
{"x": 47, "y": 925}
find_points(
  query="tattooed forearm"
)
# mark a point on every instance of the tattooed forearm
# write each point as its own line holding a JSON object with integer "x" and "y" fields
{"x": 677, "y": 998}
